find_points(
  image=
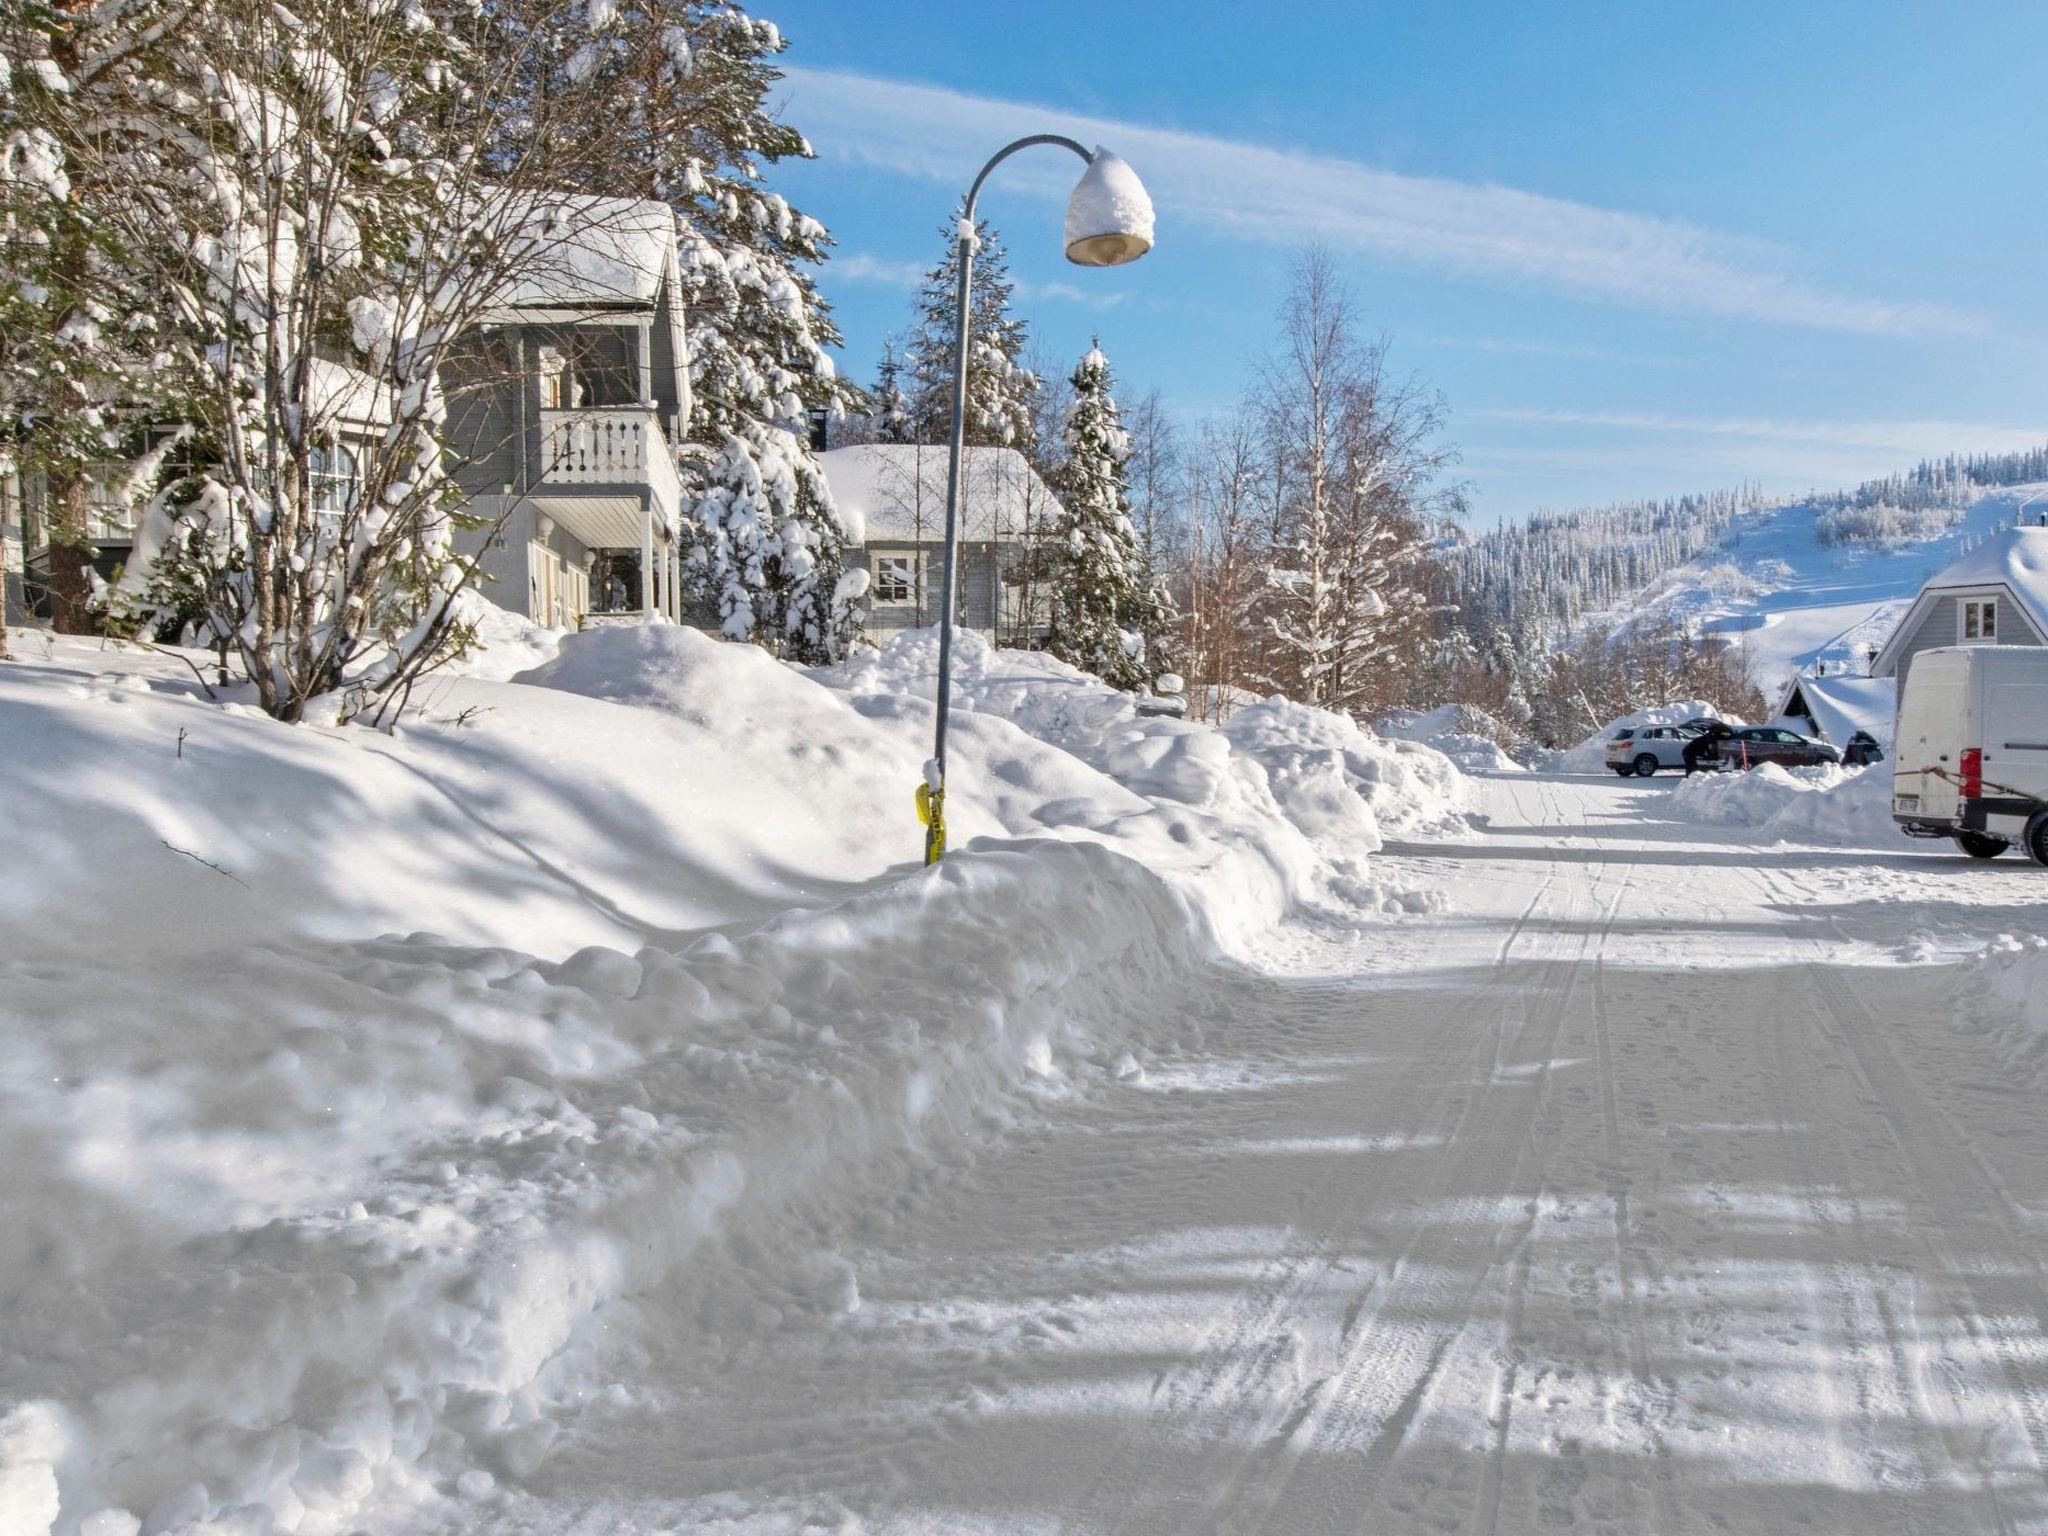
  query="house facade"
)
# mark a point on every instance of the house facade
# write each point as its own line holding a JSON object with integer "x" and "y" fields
{"x": 891, "y": 499}
{"x": 1995, "y": 595}
{"x": 567, "y": 410}
{"x": 356, "y": 406}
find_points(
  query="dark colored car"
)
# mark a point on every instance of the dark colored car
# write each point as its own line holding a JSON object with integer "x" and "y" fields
{"x": 1754, "y": 745}
{"x": 1861, "y": 751}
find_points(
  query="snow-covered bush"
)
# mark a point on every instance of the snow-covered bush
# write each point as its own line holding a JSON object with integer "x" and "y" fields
{"x": 1470, "y": 737}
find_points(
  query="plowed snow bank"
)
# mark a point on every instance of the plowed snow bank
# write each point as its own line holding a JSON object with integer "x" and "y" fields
{"x": 313, "y": 1231}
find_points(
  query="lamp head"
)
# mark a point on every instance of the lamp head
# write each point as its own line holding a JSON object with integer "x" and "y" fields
{"x": 1109, "y": 216}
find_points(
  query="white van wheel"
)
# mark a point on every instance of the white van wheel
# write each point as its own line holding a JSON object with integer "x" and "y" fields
{"x": 1978, "y": 846}
{"x": 2035, "y": 838}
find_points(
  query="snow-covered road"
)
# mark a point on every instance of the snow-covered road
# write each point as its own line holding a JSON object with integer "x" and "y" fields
{"x": 1645, "y": 1190}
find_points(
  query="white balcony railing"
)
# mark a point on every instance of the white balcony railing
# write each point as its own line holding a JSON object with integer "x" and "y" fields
{"x": 621, "y": 445}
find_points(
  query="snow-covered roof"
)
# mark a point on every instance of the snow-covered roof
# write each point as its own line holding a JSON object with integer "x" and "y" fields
{"x": 2016, "y": 560}
{"x": 896, "y": 492}
{"x": 592, "y": 251}
{"x": 1841, "y": 704}
{"x": 337, "y": 392}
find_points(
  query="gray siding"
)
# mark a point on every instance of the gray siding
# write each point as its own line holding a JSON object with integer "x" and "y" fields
{"x": 490, "y": 411}
{"x": 979, "y": 578}
{"x": 1941, "y": 627}
{"x": 502, "y": 566}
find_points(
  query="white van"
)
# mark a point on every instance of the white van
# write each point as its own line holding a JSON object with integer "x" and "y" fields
{"x": 1972, "y": 760}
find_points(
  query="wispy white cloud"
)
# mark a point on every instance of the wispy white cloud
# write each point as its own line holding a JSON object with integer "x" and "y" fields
{"x": 1910, "y": 439}
{"x": 1278, "y": 196}
{"x": 1536, "y": 346}
{"x": 860, "y": 267}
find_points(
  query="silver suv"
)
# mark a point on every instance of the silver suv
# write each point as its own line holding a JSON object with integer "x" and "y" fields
{"x": 1643, "y": 749}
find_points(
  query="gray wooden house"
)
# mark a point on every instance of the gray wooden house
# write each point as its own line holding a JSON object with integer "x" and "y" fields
{"x": 892, "y": 500}
{"x": 568, "y": 409}
{"x": 1995, "y": 595}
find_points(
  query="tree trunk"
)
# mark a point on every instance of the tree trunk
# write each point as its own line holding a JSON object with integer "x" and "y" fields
{"x": 70, "y": 554}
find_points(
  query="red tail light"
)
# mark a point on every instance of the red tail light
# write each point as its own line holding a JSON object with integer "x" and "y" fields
{"x": 1972, "y": 776}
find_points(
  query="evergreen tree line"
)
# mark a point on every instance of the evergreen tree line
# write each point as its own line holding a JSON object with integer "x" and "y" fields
{"x": 224, "y": 224}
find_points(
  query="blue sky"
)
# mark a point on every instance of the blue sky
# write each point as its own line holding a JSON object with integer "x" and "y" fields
{"x": 1641, "y": 248}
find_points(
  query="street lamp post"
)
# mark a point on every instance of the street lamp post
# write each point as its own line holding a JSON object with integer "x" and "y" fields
{"x": 1109, "y": 223}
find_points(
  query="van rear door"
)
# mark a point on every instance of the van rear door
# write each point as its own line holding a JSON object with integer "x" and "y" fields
{"x": 2015, "y": 722}
{"x": 1934, "y": 714}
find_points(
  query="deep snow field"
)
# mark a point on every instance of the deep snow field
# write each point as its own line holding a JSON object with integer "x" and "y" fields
{"x": 575, "y": 1112}
{"x": 355, "y": 1083}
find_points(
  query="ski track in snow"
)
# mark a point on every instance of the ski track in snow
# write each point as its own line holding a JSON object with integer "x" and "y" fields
{"x": 1644, "y": 1191}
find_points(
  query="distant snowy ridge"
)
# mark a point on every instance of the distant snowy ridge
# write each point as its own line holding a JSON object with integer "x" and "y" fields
{"x": 1718, "y": 556}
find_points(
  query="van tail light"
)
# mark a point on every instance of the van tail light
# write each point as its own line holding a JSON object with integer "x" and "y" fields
{"x": 1972, "y": 776}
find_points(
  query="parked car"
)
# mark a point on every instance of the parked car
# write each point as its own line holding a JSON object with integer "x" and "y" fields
{"x": 1643, "y": 749}
{"x": 1971, "y": 761}
{"x": 1861, "y": 750}
{"x": 1754, "y": 745}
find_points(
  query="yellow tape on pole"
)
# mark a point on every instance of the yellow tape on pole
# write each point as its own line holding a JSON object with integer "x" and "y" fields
{"x": 931, "y": 810}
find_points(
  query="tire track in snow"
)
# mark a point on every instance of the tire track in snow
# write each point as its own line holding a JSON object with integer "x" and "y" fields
{"x": 1371, "y": 1400}
{"x": 1227, "y": 1382}
{"x": 1952, "y": 1220}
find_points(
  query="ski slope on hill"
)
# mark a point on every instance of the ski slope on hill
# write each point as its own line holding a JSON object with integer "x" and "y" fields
{"x": 1789, "y": 603}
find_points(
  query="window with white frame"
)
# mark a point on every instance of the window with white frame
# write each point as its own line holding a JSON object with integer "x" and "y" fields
{"x": 895, "y": 581}
{"x": 1980, "y": 619}
{"x": 332, "y": 473}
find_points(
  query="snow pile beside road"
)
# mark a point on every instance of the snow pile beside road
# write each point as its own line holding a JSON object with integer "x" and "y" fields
{"x": 1590, "y": 755}
{"x": 2008, "y": 1001}
{"x": 1847, "y": 807}
{"x": 315, "y": 1231}
{"x": 1280, "y": 806}
{"x": 1469, "y": 737}
{"x": 343, "y": 1242}
{"x": 506, "y": 643}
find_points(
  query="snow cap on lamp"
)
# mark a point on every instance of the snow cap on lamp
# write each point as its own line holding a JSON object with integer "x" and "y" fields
{"x": 1109, "y": 217}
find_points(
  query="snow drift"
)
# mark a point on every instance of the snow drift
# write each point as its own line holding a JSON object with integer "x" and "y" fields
{"x": 2007, "y": 1001}
{"x": 1468, "y": 736}
{"x": 659, "y": 991}
{"x": 1849, "y": 807}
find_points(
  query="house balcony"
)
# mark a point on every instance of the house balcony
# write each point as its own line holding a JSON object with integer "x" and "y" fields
{"x": 607, "y": 476}
{"x": 603, "y": 469}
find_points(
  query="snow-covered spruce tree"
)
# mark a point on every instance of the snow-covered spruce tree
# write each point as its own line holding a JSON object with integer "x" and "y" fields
{"x": 325, "y": 199}
{"x": 891, "y": 412}
{"x": 1101, "y": 607}
{"x": 999, "y": 386}
{"x": 769, "y": 543}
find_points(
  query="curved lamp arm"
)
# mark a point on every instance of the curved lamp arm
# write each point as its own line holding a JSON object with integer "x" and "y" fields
{"x": 974, "y": 192}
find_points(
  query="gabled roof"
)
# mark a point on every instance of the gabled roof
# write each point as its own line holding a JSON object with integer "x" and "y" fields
{"x": 2015, "y": 561}
{"x": 1840, "y": 704}
{"x": 896, "y": 493}
{"x": 602, "y": 253}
